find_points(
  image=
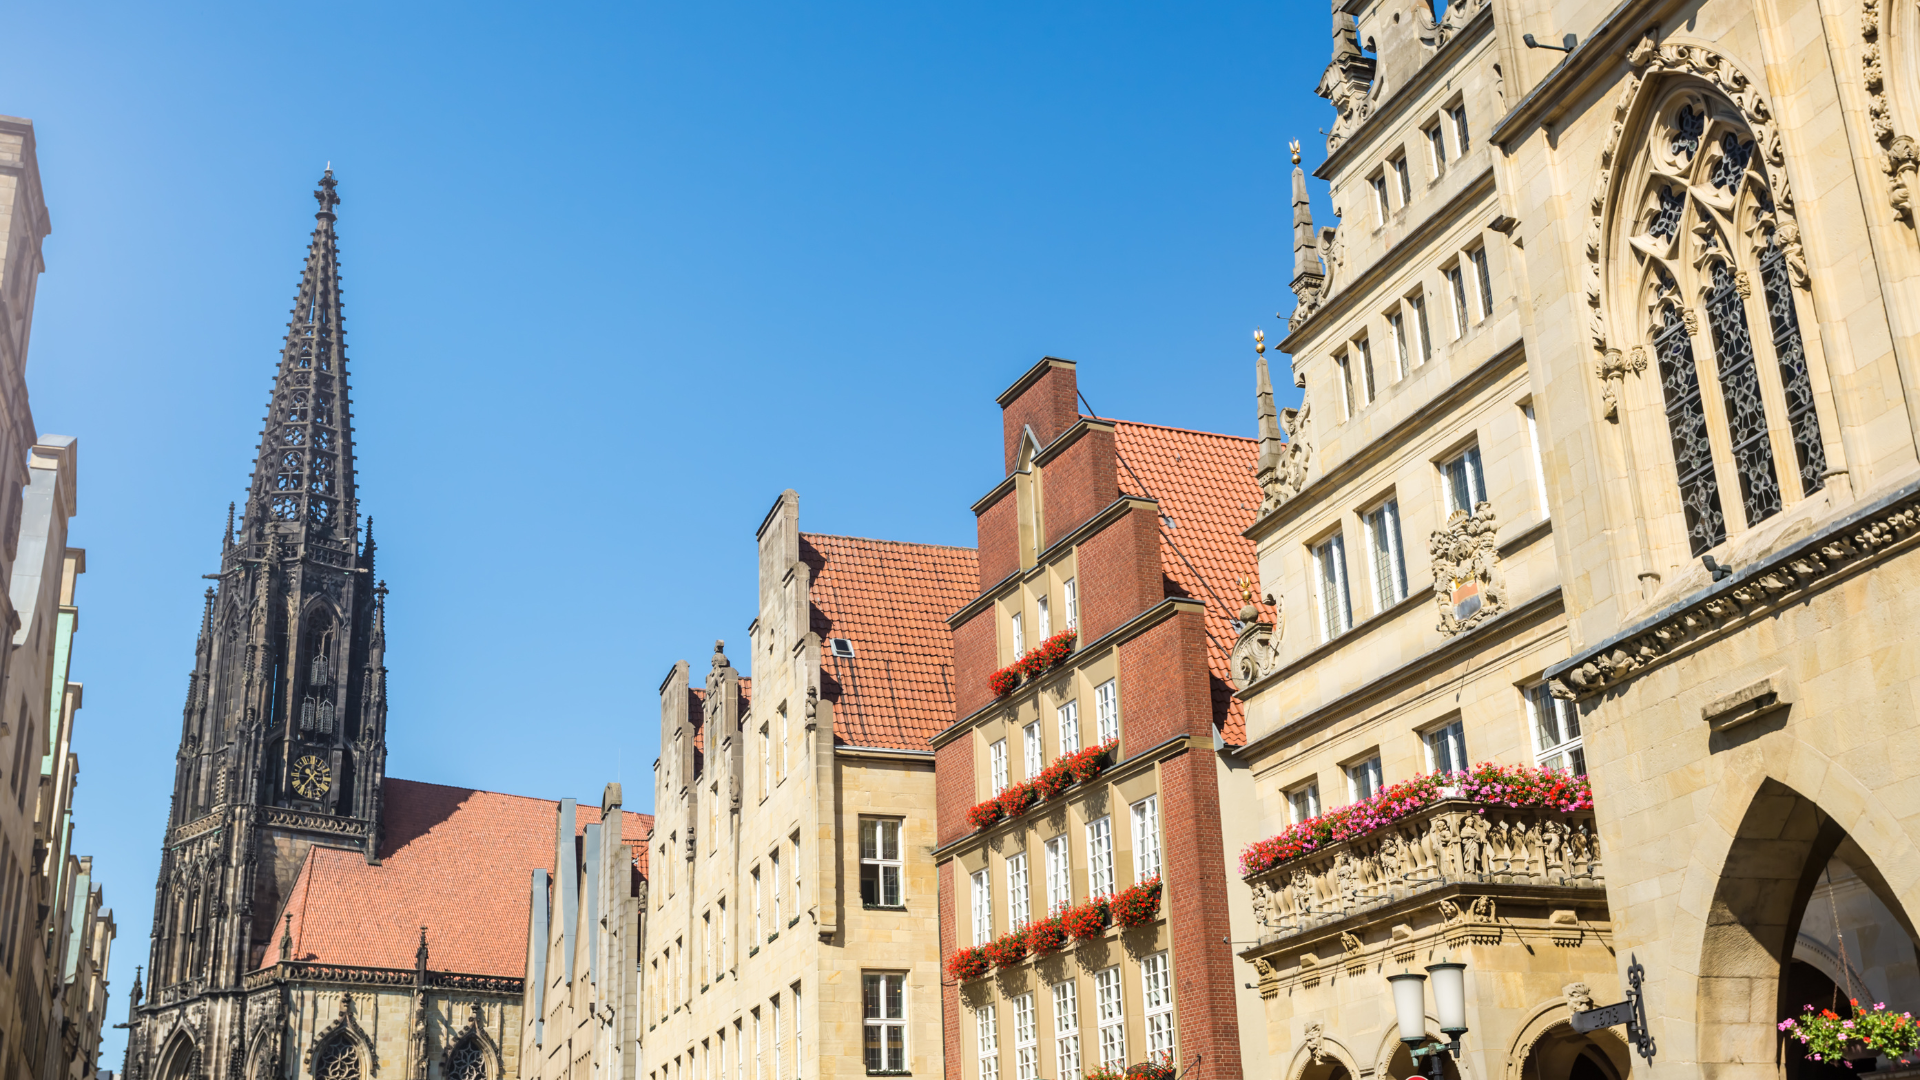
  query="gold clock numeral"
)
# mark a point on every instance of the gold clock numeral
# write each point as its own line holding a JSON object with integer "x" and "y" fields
{"x": 312, "y": 777}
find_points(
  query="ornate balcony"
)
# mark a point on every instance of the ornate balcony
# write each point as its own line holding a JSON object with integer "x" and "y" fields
{"x": 1450, "y": 843}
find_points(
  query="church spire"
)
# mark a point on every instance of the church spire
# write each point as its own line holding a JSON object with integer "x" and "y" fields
{"x": 303, "y": 478}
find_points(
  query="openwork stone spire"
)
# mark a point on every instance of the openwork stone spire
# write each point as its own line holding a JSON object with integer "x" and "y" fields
{"x": 303, "y": 479}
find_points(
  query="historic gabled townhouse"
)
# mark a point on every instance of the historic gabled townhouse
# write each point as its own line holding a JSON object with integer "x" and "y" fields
{"x": 1083, "y": 895}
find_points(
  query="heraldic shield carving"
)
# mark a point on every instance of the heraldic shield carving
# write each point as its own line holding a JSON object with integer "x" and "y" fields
{"x": 1466, "y": 570}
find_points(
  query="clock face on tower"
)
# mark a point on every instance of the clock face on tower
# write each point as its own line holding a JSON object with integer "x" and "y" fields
{"x": 311, "y": 777}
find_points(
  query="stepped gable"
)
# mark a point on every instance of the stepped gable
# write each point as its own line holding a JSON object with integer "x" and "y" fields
{"x": 891, "y": 600}
{"x": 1208, "y": 497}
{"x": 454, "y": 860}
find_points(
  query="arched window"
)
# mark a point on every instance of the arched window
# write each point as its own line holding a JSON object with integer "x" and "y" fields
{"x": 467, "y": 1060}
{"x": 1700, "y": 225}
{"x": 339, "y": 1059}
{"x": 316, "y": 707}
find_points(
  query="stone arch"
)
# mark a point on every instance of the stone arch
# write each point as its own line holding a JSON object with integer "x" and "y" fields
{"x": 1549, "y": 1026}
{"x": 1391, "y": 1059}
{"x": 342, "y": 1051}
{"x": 180, "y": 1057}
{"x": 1327, "y": 1062}
{"x": 471, "y": 1053}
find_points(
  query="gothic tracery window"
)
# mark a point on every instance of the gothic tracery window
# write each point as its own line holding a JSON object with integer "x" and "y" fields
{"x": 1704, "y": 228}
{"x": 338, "y": 1060}
{"x": 468, "y": 1061}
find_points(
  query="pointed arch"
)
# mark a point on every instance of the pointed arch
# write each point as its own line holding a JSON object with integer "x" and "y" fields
{"x": 342, "y": 1051}
{"x": 180, "y": 1056}
{"x": 472, "y": 1053}
{"x": 318, "y": 667}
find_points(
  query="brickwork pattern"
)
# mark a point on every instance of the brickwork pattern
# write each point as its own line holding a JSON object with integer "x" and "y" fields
{"x": 1080, "y": 482}
{"x": 975, "y": 655}
{"x": 1049, "y": 406}
{"x": 1163, "y": 684}
{"x": 998, "y": 528}
{"x": 1196, "y": 907}
{"x": 1120, "y": 573}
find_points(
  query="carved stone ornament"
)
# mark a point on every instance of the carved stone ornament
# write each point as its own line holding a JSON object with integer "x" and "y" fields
{"x": 1612, "y": 371}
{"x": 1255, "y": 654}
{"x": 1899, "y": 154}
{"x": 1315, "y": 1040}
{"x": 347, "y": 1027}
{"x": 1467, "y": 583}
{"x": 471, "y": 1052}
{"x": 1579, "y": 996}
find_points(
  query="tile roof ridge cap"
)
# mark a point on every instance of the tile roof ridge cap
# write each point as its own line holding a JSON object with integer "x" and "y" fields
{"x": 469, "y": 790}
{"x": 1184, "y": 431}
{"x": 900, "y": 543}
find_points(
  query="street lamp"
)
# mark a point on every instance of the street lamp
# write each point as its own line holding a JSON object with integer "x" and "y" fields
{"x": 1450, "y": 1004}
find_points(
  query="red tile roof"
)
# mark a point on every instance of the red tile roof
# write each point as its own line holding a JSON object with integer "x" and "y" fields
{"x": 891, "y": 600}
{"x": 1208, "y": 496}
{"x": 454, "y": 860}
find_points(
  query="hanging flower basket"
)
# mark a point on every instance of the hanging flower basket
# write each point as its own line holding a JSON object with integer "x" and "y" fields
{"x": 1151, "y": 1070}
{"x": 1085, "y": 921}
{"x": 1007, "y": 950}
{"x": 1828, "y": 1036}
{"x": 964, "y": 965}
{"x": 1136, "y": 906}
{"x": 1046, "y": 937}
{"x": 983, "y": 815}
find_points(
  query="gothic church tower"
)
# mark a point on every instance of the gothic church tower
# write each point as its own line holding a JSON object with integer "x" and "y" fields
{"x": 283, "y": 742}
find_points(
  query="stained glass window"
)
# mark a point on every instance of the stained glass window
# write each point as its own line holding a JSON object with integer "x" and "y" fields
{"x": 1666, "y": 220}
{"x": 1687, "y": 126}
{"x": 1791, "y": 352}
{"x": 1733, "y": 161}
{"x": 1687, "y": 425}
{"x": 1740, "y": 388}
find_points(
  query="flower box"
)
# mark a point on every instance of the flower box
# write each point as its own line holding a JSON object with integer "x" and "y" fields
{"x": 1828, "y": 1036}
{"x": 964, "y": 965}
{"x": 983, "y": 815}
{"x": 1018, "y": 799}
{"x": 1488, "y": 782}
{"x": 1145, "y": 1070}
{"x": 1092, "y": 761}
{"x": 1004, "y": 681}
{"x": 1136, "y": 906}
{"x": 1085, "y": 921}
{"x": 1046, "y": 937}
{"x": 1007, "y": 950}
{"x": 1036, "y": 661}
{"x": 1054, "y": 780}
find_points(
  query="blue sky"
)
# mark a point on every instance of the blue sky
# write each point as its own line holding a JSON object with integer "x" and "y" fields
{"x": 615, "y": 276}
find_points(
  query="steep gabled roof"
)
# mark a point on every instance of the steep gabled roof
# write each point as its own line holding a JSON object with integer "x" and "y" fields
{"x": 1208, "y": 496}
{"x": 454, "y": 860}
{"x": 891, "y": 601}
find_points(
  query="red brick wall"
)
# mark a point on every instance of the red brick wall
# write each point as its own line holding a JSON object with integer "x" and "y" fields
{"x": 1079, "y": 483}
{"x": 1049, "y": 406}
{"x": 949, "y": 992}
{"x": 976, "y": 655}
{"x": 953, "y": 788}
{"x": 999, "y": 531}
{"x": 1163, "y": 685}
{"x": 1118, "y": 569}
{"x": 1196, "y": 912}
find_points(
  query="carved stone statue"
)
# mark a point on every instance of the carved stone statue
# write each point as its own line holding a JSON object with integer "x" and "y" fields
{"x": 1302, "y": 894}
{"x": 1449, "y": 912}
{"x": 1254, "y": 653}
{"x": 1351, "y": 944}
{"x": 1467, "y": 584}
{"x": 1473, "y": 844}
{"x": 1579, "y": 996}
{"x": 1315, "y": 1039}
{"x": 1483, "y": 909}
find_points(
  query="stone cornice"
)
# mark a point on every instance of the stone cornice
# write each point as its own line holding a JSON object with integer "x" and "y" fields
{"x": 1071, "y": 436}
{"x": 1590, "y": 61}
{"x": 1832, "y": 553}
{"x": 1401, "y": 100}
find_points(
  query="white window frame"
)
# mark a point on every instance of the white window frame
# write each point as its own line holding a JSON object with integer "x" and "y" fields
{"x": 1380, "y": 204}
{"x": 889, "y": 867}
{"x": 1458, "y": 114}
{"x": 1446, "y": 747}
{"x": 1404, "y": 173}
{"x": 1106, "y": 708}
{"x": 1156, "y": 996}
{"x": 759, "y": 930}
{"x": 1437, "y": 149}
{"x": 1303, "y": 802}
{"x": 1019, "y": 637}
{"x": 1457, "y": 285}
{"x": 1402, "y": 358}
{"x": 1066, "y": 1029}
{"x": 997, "y": 767}
{"x": 1146, "y": 838}
{"x": 1364, "y": 779}
{"x": 1464, "y": 470}
{"x": 1070, "y": 602}
{"x": 892, "y": 1028}
{"x": 1033, "y": 749}
{"x": 1330, "y": 587}
{"x": 779, "y": 887}
{"x": 1539, "y": 462}
{"x": 1549, "y": 717}
{"x": 1419, "y": 305}
{"x": 1042, "y": 618}
{"x": 1483, "y": 279}
{"x": 988, "y": 1042}
{"x": 1019, "y": 892}
{"x": 1100, "y": 875}
{"x": 778, "y": 1057}
{"x": 1026, "y": 1039}
{"x": 982, "y": 907}
{"x": 1111, "y": 1013}
{"x": 1347, "y": 408}
{"x": 1387, "y": 562}
{"x": 1059, "y": 875}
{"x": 1068, "y": 716}
{"x": 1369, "y": 386}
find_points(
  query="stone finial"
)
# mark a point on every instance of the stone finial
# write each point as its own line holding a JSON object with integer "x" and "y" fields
{"x": 1308, "y": 273}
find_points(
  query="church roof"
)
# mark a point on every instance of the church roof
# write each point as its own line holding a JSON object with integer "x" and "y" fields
{"x": 454, "y": 860}
{"x": 1208, "y": 497}
{"x": 890, "y": 600}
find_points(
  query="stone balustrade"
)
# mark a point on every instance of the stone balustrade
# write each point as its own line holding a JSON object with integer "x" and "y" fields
{"x": 1448, "y": 843}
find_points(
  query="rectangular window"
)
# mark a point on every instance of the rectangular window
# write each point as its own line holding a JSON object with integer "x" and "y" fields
{"x": 1380, "y": 198}
{"x": 1368, "y": 385}
{"x": 759, "y": 1047}
{"x": 706, "y": 948}
{"x": 1304, "y": 802}
{"x": 1032, "y": 750}
{"x": 778, "y": 1041}
{"x": 1146, "y": 839}
{"x": 773, "y": 860}
{"x": 880, "y": 862}
{"x": 1059, "y": 876}
{"x": 1070, "y": 602}
{"x": 1019, "y": 892}
{"x": 1336, "y": 608}
{"x": 1447, "y": 748}
{"x": 1419, "y": 306}
{"x": 1019, "y": 638}
{"x": 1043, "y": 619}
{"x": 1106, "y": 709}
{"x": 1069, "y": 717}
{"x": 1100, "y": 857}
{"x": 989, "y": 1043}
{"x": 1406, "y": 179}
{"x": 1437, "y": 150}
{"x": 1112, "y": 1016}
{"x": 1539, "y": 463}
{"x": 1485, "y": 279}
{"x": 1363, "y": 779}
{"x": 724, "y": 962}
{"x": 786, "y": 742}
{"x": 1458, "y": 114}
{"x": 799, "y": 880}
{"x": 997, "y": 767}
{"x": 982, "y": 908}
{"x": 759, "y": 930}
{"x": 1466, "y": 483}
{"x": 1066, "y": 1030}
{"x": 766, "y": 761}
{"x": 1389, "y": 562}
{"x": 1556, "y": 732}
{"x": 885, "y": 997}
{"x": 1402, "y": 360}
{"x": 799, "y": 1046}
{"x": 1457, "y": 282}
{"x": 740, "y": 1051}
{"x": 1026, "y": 1039}
{"x": 1346, "y": 386}
{"x": 1156, "y": 986}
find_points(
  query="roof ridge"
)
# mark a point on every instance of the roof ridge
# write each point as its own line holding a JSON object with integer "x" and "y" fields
{"x": 489, "y": 791}
{"x": 901, "y": 543}
{"x": 1186, "y": 431}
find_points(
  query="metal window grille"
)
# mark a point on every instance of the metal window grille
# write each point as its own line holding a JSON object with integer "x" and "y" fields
{"x": 1740, "y": 388}
{"x": 1791, "y": 352}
